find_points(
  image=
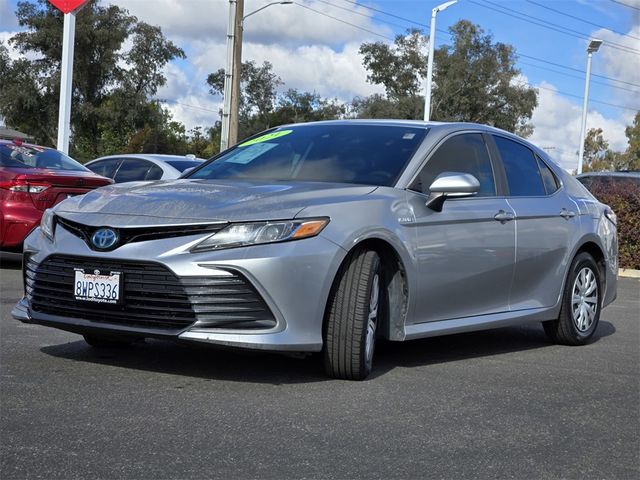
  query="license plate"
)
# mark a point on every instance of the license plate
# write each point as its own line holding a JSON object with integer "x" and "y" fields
{"x": 97, "y": 287}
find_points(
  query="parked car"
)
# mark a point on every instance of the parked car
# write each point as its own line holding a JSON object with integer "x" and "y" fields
{"x": 139, "y": 167}
{"x": 326, "y": 237}
{"x": 32, "y": 179}
{"x": 606, "y": 178}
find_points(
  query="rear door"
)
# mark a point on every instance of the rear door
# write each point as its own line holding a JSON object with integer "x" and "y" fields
{"x": 546, "y": 221}
{"x": 133, "y": 170}
{"x": 464, "y": 253}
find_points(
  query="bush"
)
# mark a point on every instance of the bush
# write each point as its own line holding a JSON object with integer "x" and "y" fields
{"x": 624, "y": 200}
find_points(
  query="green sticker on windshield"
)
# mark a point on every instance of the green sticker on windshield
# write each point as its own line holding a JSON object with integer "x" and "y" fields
{"x": 266, "y": 138}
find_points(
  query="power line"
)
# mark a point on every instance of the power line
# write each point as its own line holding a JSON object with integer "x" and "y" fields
{"x": 518, "y": 54}
{"x": 567, "y": 94}
{"x": 576, "y": 76}
{"x": 548, "y": 25}
{"x": 360, "y": 13}
{"x": 343, "y": 21}
{"x": 577, "y": 69}
{"x": 626, "y": 5}
{"x": 582, "y": 20}
{"x": 413, "y": 22}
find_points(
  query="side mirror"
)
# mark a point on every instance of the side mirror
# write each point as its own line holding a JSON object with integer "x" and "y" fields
{"x": 451, "y": 184}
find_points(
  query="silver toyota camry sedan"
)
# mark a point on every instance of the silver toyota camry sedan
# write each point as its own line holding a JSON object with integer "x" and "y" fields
{"x": 327, "y": 237}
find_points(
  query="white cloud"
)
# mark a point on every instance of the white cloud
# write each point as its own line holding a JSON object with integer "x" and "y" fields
{"x": 208, "y": 19}
{"x": 620, "y": 64}
{"x": 557, "y": 127}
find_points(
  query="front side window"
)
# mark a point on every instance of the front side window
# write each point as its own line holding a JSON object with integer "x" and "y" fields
{"x": 105, "y": 168}
{"x": 341, "y": 153}
{"x": 465, "y": 153}
{"x": 523, "y": 175}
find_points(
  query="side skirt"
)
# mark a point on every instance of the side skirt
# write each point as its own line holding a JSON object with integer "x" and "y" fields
{"x": 480, "y": 322}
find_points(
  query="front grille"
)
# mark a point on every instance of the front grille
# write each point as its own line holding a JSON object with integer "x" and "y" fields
{"x": 139, "y": 234}
{"x": 152, "y": 296}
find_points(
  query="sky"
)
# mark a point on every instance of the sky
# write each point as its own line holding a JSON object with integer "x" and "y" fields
{"x": 313, "y": 46}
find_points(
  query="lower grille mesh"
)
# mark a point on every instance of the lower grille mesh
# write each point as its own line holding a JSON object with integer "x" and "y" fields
{"x": 152, "y": 296}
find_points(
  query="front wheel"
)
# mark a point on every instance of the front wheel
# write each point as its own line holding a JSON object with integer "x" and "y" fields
{"x": 581, "y": 304}
{"x": 353, "y": 311}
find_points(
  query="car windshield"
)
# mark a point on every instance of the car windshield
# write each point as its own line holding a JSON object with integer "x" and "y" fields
{"x": 32, "y": 156}
{"x": 182, "y": 165}
{"x": 361, "y": 154}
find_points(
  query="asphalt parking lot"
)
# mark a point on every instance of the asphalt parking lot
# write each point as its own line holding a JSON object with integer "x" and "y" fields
{"x": 498, "y": 404}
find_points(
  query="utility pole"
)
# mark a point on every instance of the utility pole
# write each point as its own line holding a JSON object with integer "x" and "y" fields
{"x": 236, "y": 72}
{"x": 228, "y": 75}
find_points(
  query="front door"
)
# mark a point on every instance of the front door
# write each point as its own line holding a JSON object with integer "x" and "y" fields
{"x": 465, "y": 253}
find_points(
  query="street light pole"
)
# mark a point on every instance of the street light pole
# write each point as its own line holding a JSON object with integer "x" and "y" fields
{"x": 432, "y": 42}
{"x": 230, "y": 109}
{"x": 594, "y": 45}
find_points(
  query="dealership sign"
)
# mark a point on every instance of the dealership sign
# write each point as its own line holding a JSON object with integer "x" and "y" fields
{"x": 68, "y": 6}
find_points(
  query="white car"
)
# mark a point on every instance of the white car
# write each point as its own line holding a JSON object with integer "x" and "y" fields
{"x": 134, "y": 167}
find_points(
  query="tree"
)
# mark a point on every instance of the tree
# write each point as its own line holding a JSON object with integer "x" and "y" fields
{"x": 262, "y": 107}
{"x": 258, "y": 91}
{"x": 398, "y": 67}
{"x": 632, "y": 155}
{"x": 475, "y": 80}
{"x": 112, "y": 87}
{"x": 597, "y": 156}
{"x": 295, "y": 107}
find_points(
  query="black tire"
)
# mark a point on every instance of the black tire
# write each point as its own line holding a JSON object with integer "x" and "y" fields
{"x": 349, "y": 342}
{"x": 571, "y": 328}
{"x": 98, "y": 341}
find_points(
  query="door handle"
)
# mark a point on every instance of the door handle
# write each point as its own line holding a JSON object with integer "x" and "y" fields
{"x": 503, "y": 216}
{"x": 567, "y": 214}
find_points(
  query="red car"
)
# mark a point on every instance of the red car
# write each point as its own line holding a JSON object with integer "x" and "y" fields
{"x": 32, "y": 179}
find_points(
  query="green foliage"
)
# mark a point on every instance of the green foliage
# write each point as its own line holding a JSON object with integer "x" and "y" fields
{"x": 599, "y": 157}
{"x": 398, "y": 67}
{"x": 474, "y": 80}
{"x": 261, "y": 106}
{"x": 111, "y": 87}
{"x": 624, "y": 199}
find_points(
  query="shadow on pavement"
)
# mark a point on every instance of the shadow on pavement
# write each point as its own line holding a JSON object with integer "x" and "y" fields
{"x": 249, "y": 366}
{"x": 11, "y": 261}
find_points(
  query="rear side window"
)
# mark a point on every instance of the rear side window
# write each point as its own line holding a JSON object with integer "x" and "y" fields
{"x": 521, "y": 166}
{"x": 106, "y": 168}
{"x": 154, "y": 173}
{"x": 132, "y": 170}
{"x": 548, "y": 178}
{"x": 466, "y": 153}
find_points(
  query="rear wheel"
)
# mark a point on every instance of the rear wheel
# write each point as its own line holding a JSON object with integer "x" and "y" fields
{"x": 98, "y": 341}
{"x": 581, "y": 304}
{"x": 353, "y": 311}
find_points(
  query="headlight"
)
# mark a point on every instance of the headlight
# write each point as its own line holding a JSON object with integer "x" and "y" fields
{"x": 48, "y": 224}
{"x": 256, "y": 233}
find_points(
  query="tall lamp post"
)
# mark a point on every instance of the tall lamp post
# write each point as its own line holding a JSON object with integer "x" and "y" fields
{"x": 432, "y": 42}
{"x": 594, "y": 45}
{"x": 231, "y": 106}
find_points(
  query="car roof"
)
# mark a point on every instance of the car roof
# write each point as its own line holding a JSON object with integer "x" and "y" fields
{"x": 21, "y": 144}
{"x": 631, "y": 173}
{"x": 151, "y": 156}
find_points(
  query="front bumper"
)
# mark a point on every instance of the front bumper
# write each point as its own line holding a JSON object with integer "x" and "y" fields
{"x": 293, "y": 279}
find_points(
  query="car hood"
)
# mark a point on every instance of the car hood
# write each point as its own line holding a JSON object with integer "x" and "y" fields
{"x": 187, "y": 201}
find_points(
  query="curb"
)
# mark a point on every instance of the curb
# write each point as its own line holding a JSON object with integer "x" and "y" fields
{"x": 628, "y": 273}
